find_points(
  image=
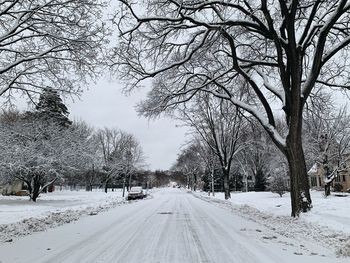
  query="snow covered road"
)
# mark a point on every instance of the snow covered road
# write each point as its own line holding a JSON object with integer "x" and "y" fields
{"x": 174, "y": 226}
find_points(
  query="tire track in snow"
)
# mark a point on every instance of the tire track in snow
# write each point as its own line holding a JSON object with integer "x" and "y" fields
{"x": 105, "y": 239}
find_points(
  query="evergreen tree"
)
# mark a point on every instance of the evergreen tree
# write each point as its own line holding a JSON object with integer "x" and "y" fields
{"x": 260, "y": 181}
{"x": 51, "y": 108}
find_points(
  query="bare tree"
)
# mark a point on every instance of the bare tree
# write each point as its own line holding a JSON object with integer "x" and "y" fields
{"x": 82, "y": 160}
{"x": 258, "y": 155}
{"x": 273, "y": 52}
{"x": 53, "y": 43}
{"x": 122, "y": 154}
{"x": 132, "y": 159}
{"x": 220, "y": 126}
{"x": 109, "y": 144}
{"x": 209, "y": 159}
{"x": 190, "y": 164}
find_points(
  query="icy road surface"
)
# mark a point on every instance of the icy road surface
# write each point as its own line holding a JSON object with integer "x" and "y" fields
{"x": 174, "y": 226}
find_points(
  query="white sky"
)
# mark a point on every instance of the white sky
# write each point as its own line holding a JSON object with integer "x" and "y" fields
{"x": 103, "y": 105}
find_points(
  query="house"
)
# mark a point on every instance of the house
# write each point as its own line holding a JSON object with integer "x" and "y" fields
{"x": 11, "y": 189}
{"x": 316, "y": 177}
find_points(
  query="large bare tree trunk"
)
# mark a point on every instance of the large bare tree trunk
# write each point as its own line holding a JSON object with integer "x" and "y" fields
{"x": 226, "y": 184}
{"x": 299, "y": 183}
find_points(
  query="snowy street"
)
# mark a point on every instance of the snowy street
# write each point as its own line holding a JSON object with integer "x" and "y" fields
{"x": 170, "y": 131}
{"x": 173, "y": 226}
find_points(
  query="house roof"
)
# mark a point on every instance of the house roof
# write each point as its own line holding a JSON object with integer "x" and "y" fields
{"x": 313, "y": 169}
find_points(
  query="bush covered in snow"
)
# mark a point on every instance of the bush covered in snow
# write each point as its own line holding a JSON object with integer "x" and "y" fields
{"x": 277, "y": 184}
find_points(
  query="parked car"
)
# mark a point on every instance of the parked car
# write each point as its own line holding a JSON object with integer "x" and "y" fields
{"x": 135, "y": 192}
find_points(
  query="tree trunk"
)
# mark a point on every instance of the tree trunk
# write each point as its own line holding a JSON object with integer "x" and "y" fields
{"x": 187, "y": 181}
{"x": 212, "y": 183}
{"x": 299, "y": 183}
{"x": 124, "y": 186}
{"x": 91, "y": 178}
{"x": 226, "y": 184}
{"x": 130, "y": 178}
{"x": 106, "y": 185}
{"x": 194, "y": 182}
{"x": 35, "y": 188}
{"x": 44, "y": 190}
{"x": 327, "y": 175}
{"x": 327, "y": 189}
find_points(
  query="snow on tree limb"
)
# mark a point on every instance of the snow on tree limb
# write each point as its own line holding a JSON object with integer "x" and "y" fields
{"x": 255, "y": 53}
{"x": 49, "y": 42}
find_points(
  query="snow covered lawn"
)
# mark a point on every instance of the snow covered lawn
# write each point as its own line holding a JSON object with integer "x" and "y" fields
{"x": 333, "y": 211}
{"x": 328, "y": 222}
{"x": 16, "y": 208}
{"x": 19, "y": 216}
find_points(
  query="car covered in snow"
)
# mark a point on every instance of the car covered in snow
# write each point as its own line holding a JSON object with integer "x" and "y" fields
{"x": 135, "y": 192}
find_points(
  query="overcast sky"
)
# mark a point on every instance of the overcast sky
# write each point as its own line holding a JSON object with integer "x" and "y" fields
{"x": 103, "y": 105}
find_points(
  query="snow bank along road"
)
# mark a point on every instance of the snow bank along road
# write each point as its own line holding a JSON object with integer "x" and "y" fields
{"x": 174, "y": 226}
